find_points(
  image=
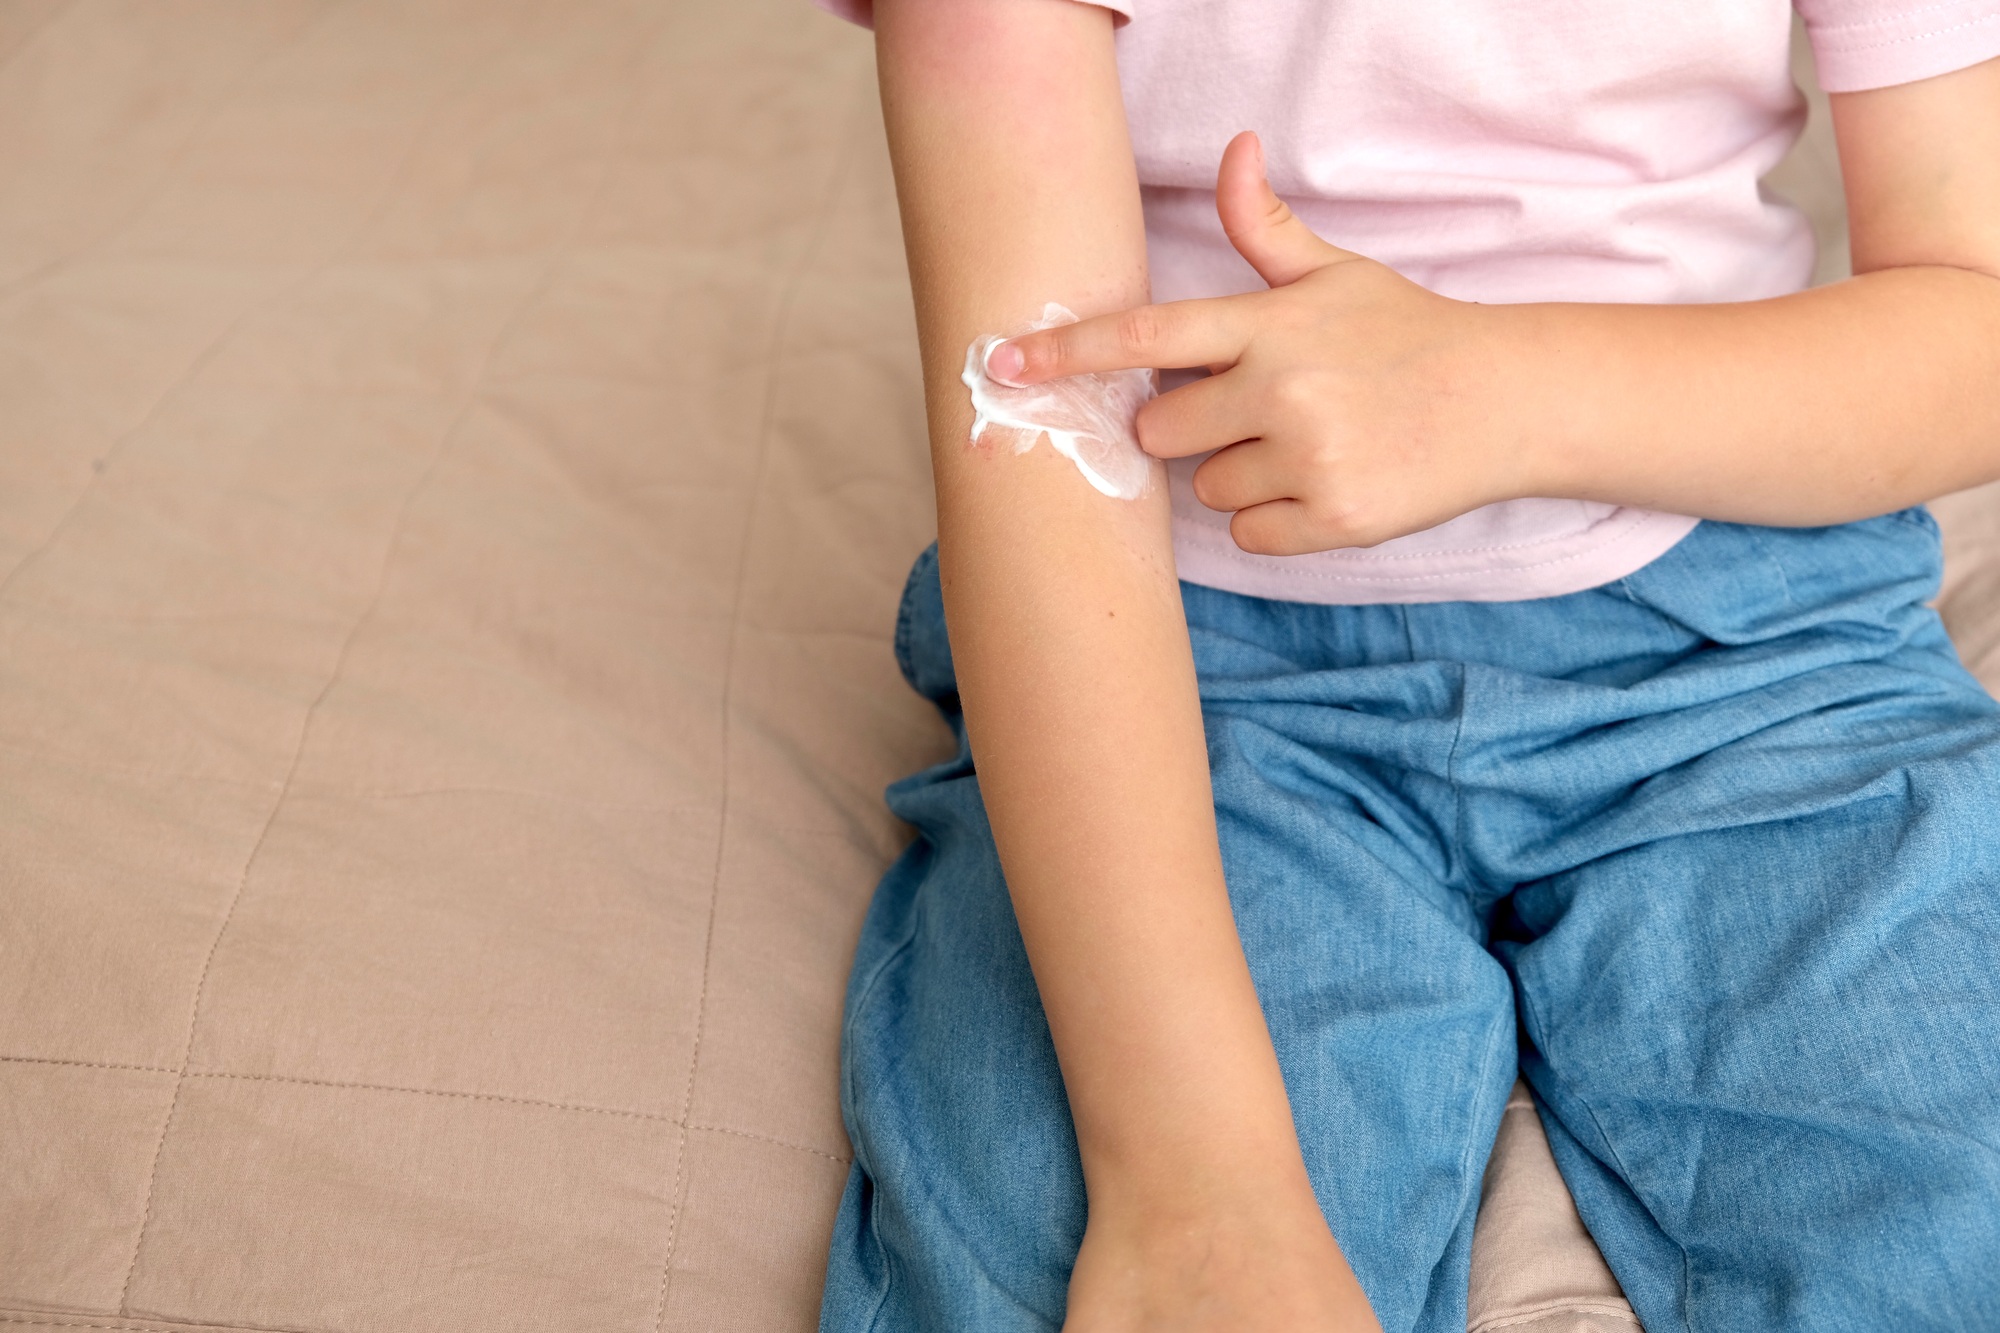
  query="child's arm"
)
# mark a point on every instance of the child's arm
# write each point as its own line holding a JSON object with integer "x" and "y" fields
{"x": 1374, "y": 408}
{"x": 1018, "y": 187}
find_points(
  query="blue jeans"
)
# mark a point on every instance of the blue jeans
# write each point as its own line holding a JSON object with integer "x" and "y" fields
{"x": 1710, "y": 854}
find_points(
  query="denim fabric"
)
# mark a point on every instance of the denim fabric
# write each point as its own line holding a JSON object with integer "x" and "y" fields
{"x": 1711, "y": 854}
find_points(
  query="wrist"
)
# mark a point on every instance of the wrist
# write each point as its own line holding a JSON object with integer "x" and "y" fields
{"x": 1241, "y": 1258}
{"x": 1541, "y": 422}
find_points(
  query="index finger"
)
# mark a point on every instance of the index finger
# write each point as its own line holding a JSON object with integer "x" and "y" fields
{"x": 1171, "y": 336}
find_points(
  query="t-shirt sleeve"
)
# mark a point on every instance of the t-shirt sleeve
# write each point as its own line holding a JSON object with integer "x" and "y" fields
{"x": 863, "y": 11}
{"x": 1861, "y": 44}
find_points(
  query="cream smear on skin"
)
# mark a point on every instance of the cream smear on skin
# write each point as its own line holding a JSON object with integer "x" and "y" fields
{"x": 1088, "y": 418}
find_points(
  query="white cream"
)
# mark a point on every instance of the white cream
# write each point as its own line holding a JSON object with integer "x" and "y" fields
{"x": 1088, "y": 418}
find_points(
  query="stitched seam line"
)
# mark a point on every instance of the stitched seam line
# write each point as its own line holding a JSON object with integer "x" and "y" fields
{"x": 1902, "y": 17}
{"x": 1609, "y": 544}
{"x": 53, "y": 1322}
{"x": 61, "y": 1321}
{"x": 270, "y": 821}
{"x": 1837, "y": 47}
{"x": 540, "y": 1103}
{"x": 357, "y": 1085}
{"x": 766, "y": 1138}
{"x": 139, "y": 1324}
{"x": 86, "y": 1064}
{"x": 1619, "y": 521}
{"x": 781, "y": 326}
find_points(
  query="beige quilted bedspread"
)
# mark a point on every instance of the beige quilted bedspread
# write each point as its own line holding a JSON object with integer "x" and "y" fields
{"x": 457, "y": 463}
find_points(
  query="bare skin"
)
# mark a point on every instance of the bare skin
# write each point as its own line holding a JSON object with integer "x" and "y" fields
{"x": 1351, "y": 406}
{"x": 1017, "y": 187}
{"x": 1358, "y": 407}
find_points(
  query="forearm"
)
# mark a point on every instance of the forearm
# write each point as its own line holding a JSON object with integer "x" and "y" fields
{"x": 1833, "y": 404}
{"x": 1348, "y": 406}
{"x": 1074, "y": 666}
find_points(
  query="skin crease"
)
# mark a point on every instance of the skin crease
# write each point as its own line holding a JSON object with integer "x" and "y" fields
{"x": 1351, "y": 406}
{"x": 1375, "y": 409}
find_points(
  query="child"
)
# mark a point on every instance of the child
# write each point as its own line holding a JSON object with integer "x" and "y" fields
{"x": 1550, "y": 684}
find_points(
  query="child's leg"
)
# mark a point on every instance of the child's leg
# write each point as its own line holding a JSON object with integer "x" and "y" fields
{"x": 1764, "y": 998}
{"x": 1394, "y": 1026}
{"x": 1774, "y": 1050}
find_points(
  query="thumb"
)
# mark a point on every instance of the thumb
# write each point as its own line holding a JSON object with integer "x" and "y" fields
{"x": 1262, "y": 226}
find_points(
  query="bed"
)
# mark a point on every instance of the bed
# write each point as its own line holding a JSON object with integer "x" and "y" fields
{"x": 457, "y": 466}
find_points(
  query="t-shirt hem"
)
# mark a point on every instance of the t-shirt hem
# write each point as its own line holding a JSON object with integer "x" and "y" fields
{"x": 863, "y": 11}
{"x": 1920, "y": 44}
{"x": 1623, "y": 543}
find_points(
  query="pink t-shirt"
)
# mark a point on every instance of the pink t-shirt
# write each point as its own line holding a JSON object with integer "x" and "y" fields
{"x": 1497, "y": 151}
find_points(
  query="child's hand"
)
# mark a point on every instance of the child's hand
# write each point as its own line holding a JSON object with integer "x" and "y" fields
{"x": 1236, "y": 1264}
{"x": 1349, "y": 404}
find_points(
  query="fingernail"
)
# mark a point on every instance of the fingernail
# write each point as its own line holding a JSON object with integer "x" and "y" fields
{"x": 1005, "y": 362}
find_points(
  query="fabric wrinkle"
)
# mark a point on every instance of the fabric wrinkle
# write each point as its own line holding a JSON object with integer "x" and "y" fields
{"x": 1709, "y": 892}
